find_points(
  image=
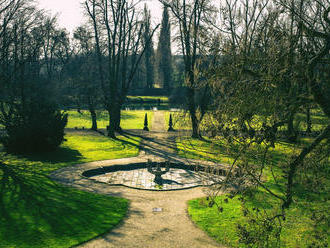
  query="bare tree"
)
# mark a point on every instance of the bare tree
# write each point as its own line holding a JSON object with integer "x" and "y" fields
{"x": 258, "y": 82}
{"x": 83, "y": 69}
{"x": 190, "y": 18}
{"x": 315, "y": 26}
{"x": 25, "y": 99}
{"x": 118, "y": 25}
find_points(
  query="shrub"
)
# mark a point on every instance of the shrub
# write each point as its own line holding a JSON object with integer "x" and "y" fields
{"x": 34, "y": 127}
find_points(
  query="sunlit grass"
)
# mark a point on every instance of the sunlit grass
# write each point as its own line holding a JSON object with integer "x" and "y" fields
{"x": 198, "y": 149}
{"x": 80, "y": 147}
{"x": 149, "y": 98}
{"x": 180, "y": 120}
{"x": 133, "y": 119}
{"x": 297, "y": 228}
{"x": 46, "y": 214}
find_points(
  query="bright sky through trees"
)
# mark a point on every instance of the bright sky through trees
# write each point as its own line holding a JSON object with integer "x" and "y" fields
{"x": 70, "y": 12}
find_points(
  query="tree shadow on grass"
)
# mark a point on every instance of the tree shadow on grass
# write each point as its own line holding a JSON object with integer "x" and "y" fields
{"x": 128, "y": 116}
{"x": 130, "y": 139}
{"x": 60, "y": 155}
{"x": 42, "y": 213}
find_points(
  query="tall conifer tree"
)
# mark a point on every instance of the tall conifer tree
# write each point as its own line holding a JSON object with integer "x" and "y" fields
{"x": 149, "y": 50}
{"x": 164, "y": 52}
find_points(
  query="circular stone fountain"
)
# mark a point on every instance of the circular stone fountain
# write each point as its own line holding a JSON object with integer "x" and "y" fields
{"x": 156, "y": 175}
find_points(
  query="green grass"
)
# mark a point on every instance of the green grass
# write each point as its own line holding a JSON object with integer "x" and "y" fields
{"x": 198, "y": 149}
{"x": 95, "y": 147}
{"x": 133, "y": 119}
{"x": 181, "y": 121}
{"x": 218, "y": 225}
{"x": 80, "y": 147}
{"x": 297, "y": 229}
{"x": 149, "y": 98}
{"x": 318, "y": 119}
{"x": 43, "y": 213}
{"x": 55, "y": 216}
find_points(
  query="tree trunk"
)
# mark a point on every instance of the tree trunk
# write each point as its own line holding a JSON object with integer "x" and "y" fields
{"x": 291, "y": 135}
{"x": 192, "y": 112}
{"x": 293, "y": 166}
{"x": 111, "y": 127}
{"x": 195, "y": 126}
{"x": 117, "y": 117}
{"x": 94, "y": 120}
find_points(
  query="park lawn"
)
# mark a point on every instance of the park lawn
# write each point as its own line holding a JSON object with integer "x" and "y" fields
{"x": 43, "y": 213}
{"x": 149, "y": 98}
{"x": 298, "y": 227}
{"x": 181, "y": 121}
{"x": 132, "y": 119}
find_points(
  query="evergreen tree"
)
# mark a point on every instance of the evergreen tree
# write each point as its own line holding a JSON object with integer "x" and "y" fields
{"x": 149, "y": 49}
{"x": 164, "y": 52}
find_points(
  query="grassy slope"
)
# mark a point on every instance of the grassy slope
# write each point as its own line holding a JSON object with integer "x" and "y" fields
{"x": 129, "y": 119}
{"x": 222, "y": 226}
{"x": 46, "y": 214}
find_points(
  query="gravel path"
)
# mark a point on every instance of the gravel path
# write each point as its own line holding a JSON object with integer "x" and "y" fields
{"x": 158, "y": 124}
{"x": 143, "y": 227}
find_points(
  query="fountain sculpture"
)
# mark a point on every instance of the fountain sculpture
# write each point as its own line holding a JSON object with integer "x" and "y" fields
{"x": 157, "y": 171}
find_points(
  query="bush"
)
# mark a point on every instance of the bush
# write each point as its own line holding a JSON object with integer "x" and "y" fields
{"x": 34, "y": 127}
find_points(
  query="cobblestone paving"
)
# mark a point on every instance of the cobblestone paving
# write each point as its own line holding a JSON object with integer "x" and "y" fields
{"x": 142, "y": 179}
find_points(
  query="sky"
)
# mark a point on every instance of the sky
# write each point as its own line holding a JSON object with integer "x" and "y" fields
{"x": 70, "y": 12}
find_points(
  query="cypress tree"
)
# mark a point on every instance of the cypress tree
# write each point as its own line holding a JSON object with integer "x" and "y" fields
{"x": 149, "y": 50}
{"x": 164, "y": 52}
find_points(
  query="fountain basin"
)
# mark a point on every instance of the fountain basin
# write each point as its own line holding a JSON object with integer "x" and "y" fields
{"x": 136, "y": 175}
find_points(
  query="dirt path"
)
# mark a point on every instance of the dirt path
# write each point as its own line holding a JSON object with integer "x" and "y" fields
{"x": 158, "y": 124}
{"x": 169, "y": 228}
{"x": 145, "y": 228}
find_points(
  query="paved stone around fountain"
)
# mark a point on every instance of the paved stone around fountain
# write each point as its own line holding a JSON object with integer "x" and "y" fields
{"x": 142, "y": 179}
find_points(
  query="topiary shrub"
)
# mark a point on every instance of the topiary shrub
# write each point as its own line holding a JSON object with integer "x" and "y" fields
{"x": 34, "y": 127}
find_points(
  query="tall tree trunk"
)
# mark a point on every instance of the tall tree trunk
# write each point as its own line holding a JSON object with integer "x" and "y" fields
{"x": 117, "y": 116}
{"x": 111, "y": 127}
{"x": 192, "y": 112}
{"x": 291, "y": 135}
{"x": 94, "y": 120}
{"x": 195, "y": 126}
{"x": 92, "y": 112}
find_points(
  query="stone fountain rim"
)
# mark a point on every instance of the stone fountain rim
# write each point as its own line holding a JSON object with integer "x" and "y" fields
{"x": 191, "y": 164}
{"x": 141, "y": 165}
